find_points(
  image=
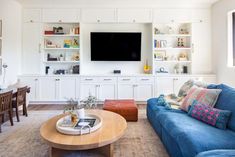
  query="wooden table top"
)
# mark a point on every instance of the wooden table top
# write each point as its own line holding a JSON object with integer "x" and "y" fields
{"x": 113, "y": 127}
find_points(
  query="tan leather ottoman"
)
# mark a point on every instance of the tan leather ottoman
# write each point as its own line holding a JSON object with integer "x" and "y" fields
{"x": 126, "y": 108}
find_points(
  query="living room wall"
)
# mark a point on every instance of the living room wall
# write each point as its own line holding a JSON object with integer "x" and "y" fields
{"x": 107, "y": 67}
{"x": 10, "y": 13}
{"x": 220, "y": 10}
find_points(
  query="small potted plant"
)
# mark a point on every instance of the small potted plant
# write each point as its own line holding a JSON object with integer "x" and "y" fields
{"x": 90, "y": 101}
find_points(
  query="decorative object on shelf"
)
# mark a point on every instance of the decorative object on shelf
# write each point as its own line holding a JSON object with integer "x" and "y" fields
{"x": 170, "y": 30}
{"x": 58, "y": 30}
{"x": 147, "y": 68}
{"x": 49, "y": 58}
{"x": 77, "y": 30}
{"x": 59, "y": 72}
{"x": 159, "y": 55}
{"x": 156, "y": 31}
{"x": 183, "y": 30}
{"x": 4, "y": 85}
{"x": 75, "y": 43}
{"x": 47, "y": 69}
{"x": 48, "y": 32}
{"x": 67, "y": 43}
{"x": 49, "y": 44}
{"x": 75, "y": 57}
{"x": 180, "y": 42}
{"x": 76, "y": 69}
{"x": 61, "y": 58}
{"x": 178, "y": 69}
{"x": 162, "y": 70}
{"x": 183, "y": 56}
{"x": 90, "y": 101}
{"x": 185, "y": 69}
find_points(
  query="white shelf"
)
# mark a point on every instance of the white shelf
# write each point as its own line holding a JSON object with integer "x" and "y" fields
{"x": 62, "y": 35}
{"x": 172, "y": 35}
{"x": 61, "y": 62}
{"x": 173, "y": 61}
{"x": 61, "y": 48}
{"x": 173, "y": 48}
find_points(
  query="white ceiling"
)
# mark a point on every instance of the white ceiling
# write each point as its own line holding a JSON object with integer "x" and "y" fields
{"x": 116, "y": 2}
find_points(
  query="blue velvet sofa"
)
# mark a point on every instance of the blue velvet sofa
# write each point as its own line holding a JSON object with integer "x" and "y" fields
{"x": 184, "y": 136}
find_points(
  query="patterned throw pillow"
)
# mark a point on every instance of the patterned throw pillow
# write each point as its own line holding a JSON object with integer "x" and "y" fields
{"x": 212, "y": 116}
{"x": 187, "y": 85}
{"x": 202, "y": 95}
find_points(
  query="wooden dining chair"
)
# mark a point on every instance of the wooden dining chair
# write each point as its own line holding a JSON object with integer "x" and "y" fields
{"x": 6, "y": 106}
{"x": 20, "y": 101}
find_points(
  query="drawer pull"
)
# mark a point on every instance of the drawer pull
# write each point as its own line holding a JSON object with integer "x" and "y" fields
{"x": 126, "y": 79}
{"x": 107, "y": 79}
{"x": 144, "y": 79}
{"x": 89, "y": 79}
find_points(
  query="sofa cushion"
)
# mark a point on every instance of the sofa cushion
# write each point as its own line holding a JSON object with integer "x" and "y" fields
{"x": 193, "y": 136}
{"x": 226, "y": 101}
{"x": 212, "y": 116}
{"x": 202, "y": 95}
{"x": 218, "y": 153}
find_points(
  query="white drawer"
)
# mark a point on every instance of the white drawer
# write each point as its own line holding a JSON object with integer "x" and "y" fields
{"x": 145, "y": 79}
{"x": 126, "y": 80}
{"x": 108, "y": 79}
{"x": 89, "y": 79}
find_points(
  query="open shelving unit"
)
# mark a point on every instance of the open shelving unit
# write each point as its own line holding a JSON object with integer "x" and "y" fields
{"x": 172, "y": 48}
{"x": 61, "y": 50}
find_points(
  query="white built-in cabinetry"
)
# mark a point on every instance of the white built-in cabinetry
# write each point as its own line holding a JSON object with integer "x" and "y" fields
{"x": 60, "y": 15}
{"x": 52, "y": 88}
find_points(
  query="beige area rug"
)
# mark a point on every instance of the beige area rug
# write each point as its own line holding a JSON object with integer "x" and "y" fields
{"x": 23, "y": 139}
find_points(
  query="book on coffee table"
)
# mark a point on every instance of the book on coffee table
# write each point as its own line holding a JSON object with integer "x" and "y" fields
{"x": 85, "y": 122}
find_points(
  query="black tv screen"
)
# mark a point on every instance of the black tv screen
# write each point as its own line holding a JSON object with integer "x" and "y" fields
{"x": 115, "y": 46}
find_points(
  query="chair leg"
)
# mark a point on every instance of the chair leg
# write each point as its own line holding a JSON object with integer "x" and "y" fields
{"x": 17, "y": 114}
{"x": 25, "y": 110}
{"x": 2, "y": 118}
{"x": 0, "y": 128}
{"x": 10, "y": 117}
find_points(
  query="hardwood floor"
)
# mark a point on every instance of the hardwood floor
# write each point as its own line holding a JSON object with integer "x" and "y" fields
{"x": 61, "y": 107}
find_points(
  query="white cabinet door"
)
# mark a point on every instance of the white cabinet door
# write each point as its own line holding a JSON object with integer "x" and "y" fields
{"x": 201, "y": 48}
{"x": 31, "y": 57}
{"x": 178, "y": 83}
{"x": 107, "y": 91}
{"x": 143, "y": 92}
{"x": 60, "y": 15}
{"x": 126, "y": 91}
{"x": 33, "y": 83}
{"x": 48, "y": 88}
{"x": 172, "y": 15}
{"x": 31, "y": 15}
{"x": 98, "y": 15}
{"x": 87, "y": 89}
{"x": 134, "y": 15}
{"x": 67, "y": 88}
{"x": 164, "y": 85}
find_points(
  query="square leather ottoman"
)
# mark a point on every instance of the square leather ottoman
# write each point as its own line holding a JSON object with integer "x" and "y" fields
{"x": 126, "y": 108}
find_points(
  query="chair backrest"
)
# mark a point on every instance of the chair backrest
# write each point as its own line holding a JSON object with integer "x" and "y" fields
{"x": 21, "y": 96}
{"x": 5, "y": 101}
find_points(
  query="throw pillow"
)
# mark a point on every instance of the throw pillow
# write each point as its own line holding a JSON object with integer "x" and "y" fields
{"x": 188, "y": 85}
{"x": 202, "y": 95}
{"x": 212, "y": 116}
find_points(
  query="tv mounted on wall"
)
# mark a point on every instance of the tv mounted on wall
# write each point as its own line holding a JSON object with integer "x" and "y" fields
{"x": 115, "y": 46}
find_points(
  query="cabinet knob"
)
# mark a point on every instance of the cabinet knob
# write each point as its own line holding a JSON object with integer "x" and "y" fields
{"x": 134, "y": 20}
{"x": 60, "y": 20}
{"x": 31, "y": 21}
{"x": 35, "y": 79}
{"x": 98, "y": 20}
{"x": 172, "y": 21}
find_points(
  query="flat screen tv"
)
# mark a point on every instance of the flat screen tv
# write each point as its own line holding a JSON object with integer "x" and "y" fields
{"x": 115, "y": 46}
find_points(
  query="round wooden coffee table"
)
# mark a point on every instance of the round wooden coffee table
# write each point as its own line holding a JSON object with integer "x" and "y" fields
{"x": 113, "y": 127}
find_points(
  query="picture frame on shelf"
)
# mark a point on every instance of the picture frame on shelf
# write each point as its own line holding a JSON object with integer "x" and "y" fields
{"x": 159, "y": 55}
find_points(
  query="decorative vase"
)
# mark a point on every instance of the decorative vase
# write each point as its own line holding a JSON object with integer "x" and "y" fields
{"x": 81, "y": 113}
